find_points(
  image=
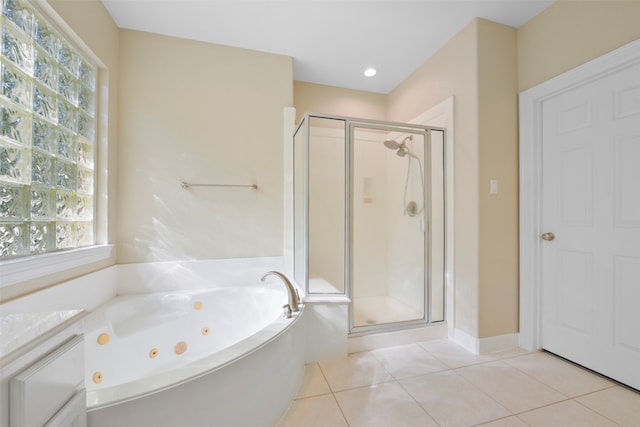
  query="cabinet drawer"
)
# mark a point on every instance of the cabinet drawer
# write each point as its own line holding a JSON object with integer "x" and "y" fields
{"x": 40, "y": 391}
{"x": 73, "y": 413}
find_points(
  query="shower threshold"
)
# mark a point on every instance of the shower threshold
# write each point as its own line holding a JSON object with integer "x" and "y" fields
{"x": 382, "y": 309}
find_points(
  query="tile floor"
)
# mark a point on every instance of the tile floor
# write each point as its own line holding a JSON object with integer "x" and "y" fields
{"x": 438, "y": 383}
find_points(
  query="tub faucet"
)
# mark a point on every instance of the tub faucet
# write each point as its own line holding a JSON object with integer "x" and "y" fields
{"x": 294, "y": 299}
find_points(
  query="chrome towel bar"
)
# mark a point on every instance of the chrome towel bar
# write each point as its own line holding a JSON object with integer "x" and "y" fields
{"x": 186, "y": 185}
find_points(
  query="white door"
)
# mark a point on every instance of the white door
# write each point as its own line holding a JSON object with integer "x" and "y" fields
{"x": 591, "y": 204}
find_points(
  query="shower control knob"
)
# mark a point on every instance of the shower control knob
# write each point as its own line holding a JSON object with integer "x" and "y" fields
{"x": 548, "y": 236}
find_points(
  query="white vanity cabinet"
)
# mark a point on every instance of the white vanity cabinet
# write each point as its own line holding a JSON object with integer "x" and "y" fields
{"x": 43, "y": 379}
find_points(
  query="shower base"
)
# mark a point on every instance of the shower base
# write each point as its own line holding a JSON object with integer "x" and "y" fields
{"x": 375, "y": 310}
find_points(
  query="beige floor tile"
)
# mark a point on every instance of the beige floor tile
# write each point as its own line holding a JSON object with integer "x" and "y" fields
{"x": 506, "y": 354}
{"x": 382, "y": 405}
{"x": 617, "y": 403}
{"x": 453, "y": 401}
{"x": 313, "y": 382}
{"x": 318, "y": 411}
{"x": 563, "y": 414}
{"x": 559, "y": 374}
{"x": 506, "y": 422}
{"x": 510, "y": 387}
{"x": 355, "y": 370}
{"x": 408, "y": 361}
{"x": 483, "y": 389}
{"x": 453, "y": 355}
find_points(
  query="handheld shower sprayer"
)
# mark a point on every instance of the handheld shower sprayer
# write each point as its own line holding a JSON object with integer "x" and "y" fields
{"x": 411, "y": 208}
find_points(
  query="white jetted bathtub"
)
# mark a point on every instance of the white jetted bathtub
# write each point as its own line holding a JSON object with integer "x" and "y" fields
{"x": 218, "y": 357}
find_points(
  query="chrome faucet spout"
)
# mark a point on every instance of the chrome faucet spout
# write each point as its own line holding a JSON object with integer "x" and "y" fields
{"x": 294, "y": 300}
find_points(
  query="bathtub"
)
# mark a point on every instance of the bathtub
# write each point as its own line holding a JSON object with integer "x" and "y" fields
{"x": 217, "y": 357}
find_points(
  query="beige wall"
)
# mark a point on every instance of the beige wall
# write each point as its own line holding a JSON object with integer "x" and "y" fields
{"x": 497, "y": 160}
{"x": 202, "y": 113}
{"x": 478, "y": 68}
{"x": 570, "y": 33}
{"x": 314, "y": 98}
{"x": 452, "y": 71}
{"x": 484, "y": 67}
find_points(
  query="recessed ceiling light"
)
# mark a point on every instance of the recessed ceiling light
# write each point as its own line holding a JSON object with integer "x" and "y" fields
{"x": 370, "y": 72}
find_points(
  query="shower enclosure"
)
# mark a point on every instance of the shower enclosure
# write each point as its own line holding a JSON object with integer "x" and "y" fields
{"x": 369, "y": 218}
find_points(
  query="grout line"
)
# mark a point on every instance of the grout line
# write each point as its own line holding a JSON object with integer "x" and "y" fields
{"x": 324, "y": 376}
{"x": 567, "y": 398}
{"x": 584, "y": 368}
{"x": 564, "y": 401}
{"x": 543, "y": 406}
{"x": 593, "y": 409}
{"x": 503, "y": 361}
{"x": 415, "y": 400}
{"x": 595, "y": 391}
{"x": 302, "y": 381}
{"x": 340, "y": 408}
{"x": 483, "y": 392}
{"x": 502, "y": 418}
{"x": 539, "y": 381}
{"x": 366, "y": 386}
{"x": 333, "y": 392}
{"x": 568, "y": 363}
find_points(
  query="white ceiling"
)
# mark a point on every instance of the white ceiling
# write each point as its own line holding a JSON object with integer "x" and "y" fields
{"x": 331, "y": 42}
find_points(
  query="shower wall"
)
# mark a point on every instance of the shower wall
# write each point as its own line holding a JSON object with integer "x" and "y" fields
{"x": 356, "y": 232}
{"x": 327, "y": 211}
{"x": 377, "y": 205}
{"x": 406, "y": 271}
{"x": 380, "y": 257}
{"x": 370, "y": 200}
{"x": 326, "y": 207}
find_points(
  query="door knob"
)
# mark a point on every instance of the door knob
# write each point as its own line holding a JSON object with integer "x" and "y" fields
{"x": 548, "y": 236}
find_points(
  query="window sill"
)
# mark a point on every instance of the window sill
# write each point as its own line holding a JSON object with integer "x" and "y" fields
{"x": 36, "y": 266}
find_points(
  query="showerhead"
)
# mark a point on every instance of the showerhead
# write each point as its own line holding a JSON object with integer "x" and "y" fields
{"x": 391, "y": 144}
{"x": 402, "y": 148}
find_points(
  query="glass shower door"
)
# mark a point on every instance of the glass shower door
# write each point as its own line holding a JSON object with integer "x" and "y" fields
{"x": 320, "y": 207}
{"x": 369, "y": 218}
{"x": 388, "y": 224}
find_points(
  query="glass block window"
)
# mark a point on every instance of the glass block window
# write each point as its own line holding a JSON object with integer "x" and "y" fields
{"x": 47, "y": 128}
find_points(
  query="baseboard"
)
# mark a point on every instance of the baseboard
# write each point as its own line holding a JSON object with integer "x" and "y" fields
{"x": 498, "y": 343}
{"x": 485, "y": 345}
{"x": 395, "y": 338}
{"x": 465, "y": 341}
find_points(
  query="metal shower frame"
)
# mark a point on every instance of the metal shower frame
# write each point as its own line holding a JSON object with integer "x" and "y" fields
{"x": 350, "y": 123}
